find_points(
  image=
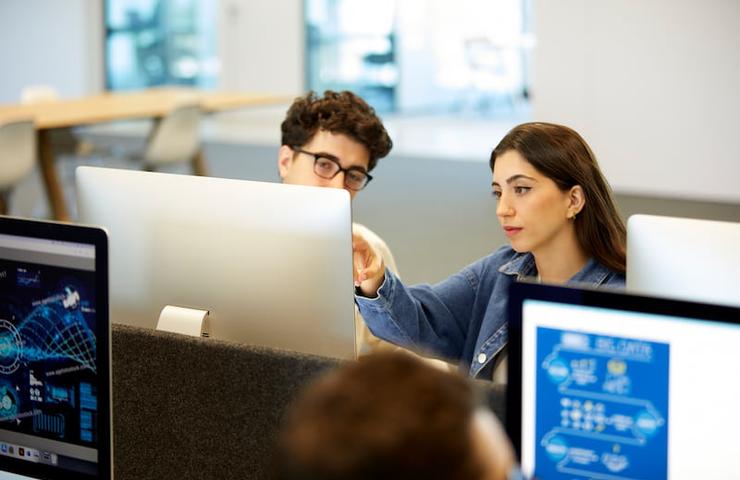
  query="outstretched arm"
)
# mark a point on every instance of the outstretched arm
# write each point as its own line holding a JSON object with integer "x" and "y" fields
{"x": 430, "y": 318}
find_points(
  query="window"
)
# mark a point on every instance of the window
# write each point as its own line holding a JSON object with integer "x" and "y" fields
{"x": 160, "y": 42}
{"x": 352, "y": 46}
{"x": 426, "y": 56}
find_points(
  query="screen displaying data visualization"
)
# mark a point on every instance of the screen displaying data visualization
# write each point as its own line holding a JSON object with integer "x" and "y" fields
{"x": 49, "y": 409}
{"x": 618, "y": 394}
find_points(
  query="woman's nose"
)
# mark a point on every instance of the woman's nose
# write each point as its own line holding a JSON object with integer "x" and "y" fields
{"x": 503, "y": 207}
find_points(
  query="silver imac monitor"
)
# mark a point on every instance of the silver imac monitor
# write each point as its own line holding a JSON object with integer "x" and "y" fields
{"x": 684, "y": 258}
{"x": 271, "y": 263}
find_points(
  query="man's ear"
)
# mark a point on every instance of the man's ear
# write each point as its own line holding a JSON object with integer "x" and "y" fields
{"x": 576, "y": 200}
{"x": 285, "y": 160}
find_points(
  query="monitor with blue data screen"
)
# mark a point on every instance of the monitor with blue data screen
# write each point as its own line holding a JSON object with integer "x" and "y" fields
{"x": 609, "y": 385}
{"x": 54, "y": 351}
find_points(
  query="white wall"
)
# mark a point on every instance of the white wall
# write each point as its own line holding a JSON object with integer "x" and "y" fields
{"x": 51, "y": 42}
{"x": 654, "y": 87}
{"x": 261, "y": 45}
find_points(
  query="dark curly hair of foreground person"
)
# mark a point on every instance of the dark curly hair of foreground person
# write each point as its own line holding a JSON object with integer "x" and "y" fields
{"x": 391, "y": 416}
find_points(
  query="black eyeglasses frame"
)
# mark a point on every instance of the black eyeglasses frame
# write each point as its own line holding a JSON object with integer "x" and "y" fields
{"x": 316, "y": 157}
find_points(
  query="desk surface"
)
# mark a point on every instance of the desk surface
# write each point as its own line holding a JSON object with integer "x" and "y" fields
{"x": 112, "y": 106}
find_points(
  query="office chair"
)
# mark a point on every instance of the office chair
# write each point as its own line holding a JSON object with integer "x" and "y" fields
{"x": 17, "y": 157}
{"x": 175, "y": 138}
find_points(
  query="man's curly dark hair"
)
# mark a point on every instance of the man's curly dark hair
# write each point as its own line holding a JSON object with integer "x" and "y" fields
{"x": 340, "y": 113}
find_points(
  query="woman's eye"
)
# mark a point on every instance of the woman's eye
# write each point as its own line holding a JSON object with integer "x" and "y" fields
{"x": 496, "y": 194}
{"x": 521, "y": 190}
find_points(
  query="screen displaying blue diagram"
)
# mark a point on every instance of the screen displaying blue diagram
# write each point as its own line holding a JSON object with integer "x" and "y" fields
{"x": 601, "y": 406}
{"x": 48, "y": 353}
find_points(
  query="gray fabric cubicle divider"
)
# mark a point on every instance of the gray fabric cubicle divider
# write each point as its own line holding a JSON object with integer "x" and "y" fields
{"x": 192, "y": 408}
{"x": 195, "y": 408}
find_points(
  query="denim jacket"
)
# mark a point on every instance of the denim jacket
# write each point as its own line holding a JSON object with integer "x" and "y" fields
{"x": 463, "y": 317}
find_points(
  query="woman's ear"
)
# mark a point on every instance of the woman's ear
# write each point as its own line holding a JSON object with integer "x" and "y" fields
{"x": 285, "y": 160}
{"x": 576, "y": 201}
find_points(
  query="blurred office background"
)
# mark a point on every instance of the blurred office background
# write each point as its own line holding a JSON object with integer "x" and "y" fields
{"x": 650, "y": 85}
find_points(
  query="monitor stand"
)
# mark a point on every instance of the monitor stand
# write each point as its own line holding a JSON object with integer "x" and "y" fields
{"x": 185, "y": 321}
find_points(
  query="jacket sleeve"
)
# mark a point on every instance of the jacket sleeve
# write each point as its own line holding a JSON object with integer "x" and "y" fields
{"x": 434, "y": 318}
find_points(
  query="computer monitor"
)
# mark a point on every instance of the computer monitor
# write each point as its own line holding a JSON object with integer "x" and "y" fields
{"x": 272, "y": 263}
{"x": 609, "y": 385}
{"x": 55, "y": 420}
{"x": 684, "y": 258}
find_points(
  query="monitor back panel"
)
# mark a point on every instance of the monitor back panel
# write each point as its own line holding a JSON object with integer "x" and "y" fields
{"x": 271, "y": 263}
{"x": 54, "y": 351}
{"x": 684, "y": 258}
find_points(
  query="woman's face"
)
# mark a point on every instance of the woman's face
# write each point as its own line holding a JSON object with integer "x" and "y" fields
{"x": 534, "y": 213}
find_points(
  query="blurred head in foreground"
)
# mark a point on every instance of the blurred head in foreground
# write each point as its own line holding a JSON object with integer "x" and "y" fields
{"x": 391, "y": 416}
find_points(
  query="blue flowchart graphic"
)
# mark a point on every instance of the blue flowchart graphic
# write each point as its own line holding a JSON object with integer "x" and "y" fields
{"x": 602, "y": 407}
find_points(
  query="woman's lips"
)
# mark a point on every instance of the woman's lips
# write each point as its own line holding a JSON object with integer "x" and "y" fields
{"x": 511, "y": 231}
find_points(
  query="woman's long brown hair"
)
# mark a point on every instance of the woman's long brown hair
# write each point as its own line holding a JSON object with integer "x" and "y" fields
{"x": 561, "y": 154}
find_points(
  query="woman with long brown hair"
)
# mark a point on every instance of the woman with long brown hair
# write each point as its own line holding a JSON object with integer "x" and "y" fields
{"x": 558, "y": 212}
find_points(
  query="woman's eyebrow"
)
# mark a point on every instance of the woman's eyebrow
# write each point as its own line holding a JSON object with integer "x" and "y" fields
{"x": 519, "y": 176}
{"x": 514, "y": 178}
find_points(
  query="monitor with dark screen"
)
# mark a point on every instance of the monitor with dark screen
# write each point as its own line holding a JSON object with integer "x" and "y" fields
{"x": 55, "y": 417}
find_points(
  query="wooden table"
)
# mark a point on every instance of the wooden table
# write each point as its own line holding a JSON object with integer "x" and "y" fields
{"x": 112, "y": 106}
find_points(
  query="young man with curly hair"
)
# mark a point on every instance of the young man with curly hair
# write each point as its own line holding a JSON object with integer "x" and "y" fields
{"x": 335, "y": 141}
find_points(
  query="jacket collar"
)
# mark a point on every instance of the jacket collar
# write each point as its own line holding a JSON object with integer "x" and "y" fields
{"x": 522, "y": 265}
{"x": 593, "y": 273}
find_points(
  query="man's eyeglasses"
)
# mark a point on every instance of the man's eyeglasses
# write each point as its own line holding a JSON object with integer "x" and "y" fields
{"x": 355, "y": 178}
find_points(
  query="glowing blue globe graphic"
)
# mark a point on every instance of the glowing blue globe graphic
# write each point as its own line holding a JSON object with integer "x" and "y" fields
{"x": 8, "y": 402}
{"x": 49, "y": 332}
{"x": 10, "y": 347}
